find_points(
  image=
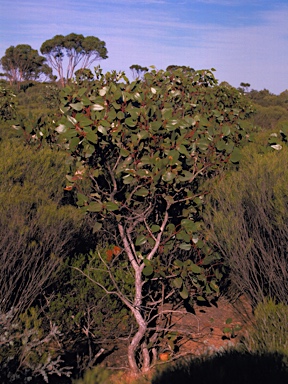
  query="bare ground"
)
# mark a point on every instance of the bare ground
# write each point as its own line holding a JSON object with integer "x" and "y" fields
{"x": 208, "y": 330}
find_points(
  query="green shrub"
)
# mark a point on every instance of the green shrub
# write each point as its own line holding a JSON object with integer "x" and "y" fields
{"x": 269, "y": 333}
{"x": 37, "y": 230}
{"x": 268, "y": 117}
{"x": 7, "y": 103}
{"x": 86, "y": 315}
{"x": 247, "y": 221}
{"x": 30, "y": 349}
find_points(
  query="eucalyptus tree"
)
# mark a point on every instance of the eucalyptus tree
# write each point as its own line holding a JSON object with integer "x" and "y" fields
{"x": 141, "y": 154}
{"x": 138, "y": 70}
{"x": 184, "y": 68}
{"x": 78, "y": 49}
{"x": 24, "y": 63}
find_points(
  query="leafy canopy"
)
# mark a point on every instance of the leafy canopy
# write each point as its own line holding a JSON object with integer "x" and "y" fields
{"x": 77, "y": 48}
{"x": 147, "y": 147}
{"x": 140, "y": 155}
{"x": 24, "y": 63}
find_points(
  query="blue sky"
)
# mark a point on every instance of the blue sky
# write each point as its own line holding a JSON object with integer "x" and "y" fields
{"x": 244, "y": 40}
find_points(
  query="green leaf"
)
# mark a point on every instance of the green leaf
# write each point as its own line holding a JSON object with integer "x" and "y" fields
{"x": 72, "y": 120}
{"x": 105, "y": 123}
{"x": 185, "y": 246}
{"x": 178, "y": 282}
{"x": 97, "y": 107}
{"x": 124, "y": 152}
{"x": 208, "y": 259}
{"x": 111, "y": 206}
{"x": 200, "y": 298}
{"x": 81, "y": 199}
{"x": 189, "y": 225}
{"x": 229, "y": 320}
{"x": 142, "y": 135}
{"x": 128, "y": 179}
{"x": 130, "y": 122}
{"x": 120, "y": 115}
{"x": 168, "y": 176}
{"x": 221, "y": 145}
{"x": 85, "y": 101}
{"x": 73, "y": 143}
{"x": 214, "y": 286}
{"x": 235, "y": 155}
{"x": 95, "y": 207}
{"x": 102, "y": 130}
{"x": 92, "y": 137}
{"x": 77, "y": 106}
{"x": 143, "y": 192}
{"x": 172, "y": 125}
{"x": 185, "y": 176}
{"x": 178, "y": 263}
{"x": 226, "y": 130}
{"x": 81, "y": 91}
{"x": 195, "y": 268}
{"x": 183, "y": 150}
{"x": 83, "y": 120}
{"x": 155, "y": 125}
{"x": 97, "y": 226}
{"x": 148, "y": 270}
{"x": 184, "y": 293}
{"x": 155, "y": 228}
{"x": 140, "y": 240}
{"x": 203, "y": 144}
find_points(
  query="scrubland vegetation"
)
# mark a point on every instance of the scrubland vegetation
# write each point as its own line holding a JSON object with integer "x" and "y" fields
{"x": 119, "y": 197}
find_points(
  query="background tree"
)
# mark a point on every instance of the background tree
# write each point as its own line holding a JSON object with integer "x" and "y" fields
{"x": 77, "y": 48}
{"x": 245, "y": 87}
{"x": 184, "y": 68}
{"x": 138, "y": 70}
{"x": 24, "y": 63}
{"x": 147, "y": 149}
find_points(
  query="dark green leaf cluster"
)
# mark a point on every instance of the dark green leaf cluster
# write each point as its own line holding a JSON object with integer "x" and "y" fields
{"x": 22, "y": 63}
{"x": 148, "y": 147}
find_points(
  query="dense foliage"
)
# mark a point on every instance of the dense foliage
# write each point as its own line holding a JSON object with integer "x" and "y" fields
{"x": 144, "y": 158}
{"x": 147, "y": 148}
{"x": 77, "y": 48}
{"x": 22, "y": 63}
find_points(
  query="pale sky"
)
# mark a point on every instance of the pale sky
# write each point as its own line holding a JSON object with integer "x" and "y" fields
{"x": 244, "y": 40}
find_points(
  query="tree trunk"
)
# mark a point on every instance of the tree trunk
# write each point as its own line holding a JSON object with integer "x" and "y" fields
{"x": 136, "y": 310}
{"x": 135, "y": 343}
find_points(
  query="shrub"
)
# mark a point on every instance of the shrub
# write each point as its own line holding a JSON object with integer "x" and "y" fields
{"x": 147, "y": 148}
{"x": 7, "y": 103}
{"x": 269, "y": 333}
{"x": 268, "y": 117}
{"x": 247, "y": 221}
{"x": 29, "y": 349}
{"x": 36, "y": 231}
{"x": 87, "y": 317}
